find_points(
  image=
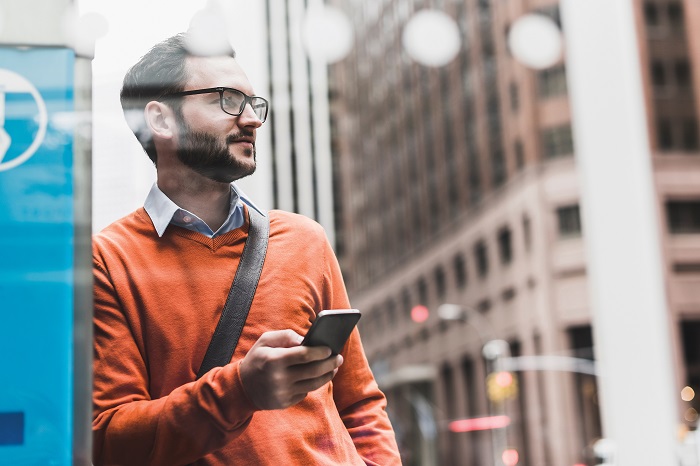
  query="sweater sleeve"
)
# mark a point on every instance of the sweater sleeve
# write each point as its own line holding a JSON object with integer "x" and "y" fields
{"x": 130, "y": 428}
{"x": 362, "y": 406}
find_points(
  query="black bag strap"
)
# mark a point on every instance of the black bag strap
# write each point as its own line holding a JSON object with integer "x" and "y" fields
{"x": 240, "y": 296}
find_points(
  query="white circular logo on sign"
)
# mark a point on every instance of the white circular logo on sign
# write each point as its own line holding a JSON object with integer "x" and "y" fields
{"x": 11, "y": 82}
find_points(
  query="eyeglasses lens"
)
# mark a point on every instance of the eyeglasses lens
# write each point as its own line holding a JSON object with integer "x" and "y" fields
{"x": 234, "y": 101}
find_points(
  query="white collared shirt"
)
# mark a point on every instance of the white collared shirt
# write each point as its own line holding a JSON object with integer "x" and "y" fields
{"x": 164, "y": 211}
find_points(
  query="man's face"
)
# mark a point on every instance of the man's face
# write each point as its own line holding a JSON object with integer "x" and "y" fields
{"x": 211, "y": 142}
{"x": 211, "y": 157}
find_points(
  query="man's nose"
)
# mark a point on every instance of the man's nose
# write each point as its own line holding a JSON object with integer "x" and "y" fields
{"x": 248, "y": 116}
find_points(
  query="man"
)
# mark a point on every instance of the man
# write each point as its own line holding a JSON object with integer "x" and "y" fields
{"x": 162, "y": 275}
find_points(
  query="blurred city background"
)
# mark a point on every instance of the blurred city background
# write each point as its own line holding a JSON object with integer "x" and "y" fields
{"x": 454, "y": 153}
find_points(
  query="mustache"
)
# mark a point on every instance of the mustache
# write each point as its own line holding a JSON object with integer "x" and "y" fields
{"x": 230, "y": 139}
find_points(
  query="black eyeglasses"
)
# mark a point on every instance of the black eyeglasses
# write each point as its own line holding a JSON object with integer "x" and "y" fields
{"x": 232, "y": 101}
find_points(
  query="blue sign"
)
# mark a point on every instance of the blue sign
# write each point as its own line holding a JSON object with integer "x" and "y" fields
{"x": 36, "y": 255}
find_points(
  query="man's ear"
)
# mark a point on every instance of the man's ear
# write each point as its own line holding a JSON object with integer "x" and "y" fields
{"x": 160, "y": 119}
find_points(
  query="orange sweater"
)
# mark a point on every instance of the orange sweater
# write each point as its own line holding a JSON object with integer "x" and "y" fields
{"x": 157, "y": 302}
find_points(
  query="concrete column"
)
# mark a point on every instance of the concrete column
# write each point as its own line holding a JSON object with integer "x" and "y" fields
{"x": 630, "y": 319}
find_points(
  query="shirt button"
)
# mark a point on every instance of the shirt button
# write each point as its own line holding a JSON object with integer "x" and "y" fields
{"x": 187, "y": 219}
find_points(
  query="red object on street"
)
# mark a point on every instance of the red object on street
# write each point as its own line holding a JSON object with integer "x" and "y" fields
{"x": 479, "y": 423}
{"x": 504, "y": 379}
{"x": 420, "y": 313}
{"x": 510, "y": 457}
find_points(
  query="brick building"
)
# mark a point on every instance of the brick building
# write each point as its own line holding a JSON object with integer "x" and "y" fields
{"x": 458, "y": 185}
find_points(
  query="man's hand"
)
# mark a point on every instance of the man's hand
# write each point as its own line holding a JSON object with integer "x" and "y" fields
{"x": 277, "y": 372}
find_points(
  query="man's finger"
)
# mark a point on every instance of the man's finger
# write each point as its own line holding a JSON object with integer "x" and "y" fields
{"x": 304, "y": 355}
{"x": 310, "y": 385}
{"x": 315, "y": 369}
{"x": 280, "y": 339}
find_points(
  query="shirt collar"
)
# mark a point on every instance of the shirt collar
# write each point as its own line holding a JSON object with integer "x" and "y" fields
{"x": 244, "y": 197}
{"x": 161, "y": 209}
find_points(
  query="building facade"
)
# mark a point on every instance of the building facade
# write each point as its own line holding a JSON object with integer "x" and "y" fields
{"x": 299, "y": 131}
{"x": 458, "y": 185}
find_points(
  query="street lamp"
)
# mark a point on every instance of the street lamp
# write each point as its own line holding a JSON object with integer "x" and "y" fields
{"x": 452, "y": 312}
{"x": 494, "y": 350}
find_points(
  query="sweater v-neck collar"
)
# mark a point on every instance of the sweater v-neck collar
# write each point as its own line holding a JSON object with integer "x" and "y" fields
{"x": 217, "y": 241}
{"x": 212, "y": 243}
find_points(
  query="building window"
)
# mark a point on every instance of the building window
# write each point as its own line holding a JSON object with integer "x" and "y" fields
{"x": 482, "y": 261}
{"x": 586, "y": 390}
{"x": 557, "y": 142}
{"x": 483, "y": 306}
{"x": 498, "y": 165}
{"x": 519, "y": 154}
{"x": 474, "y": 169}
{"x": 508, "y": 294}
{"x": 690, "y": 333}
{"x": 527, "y": 232}
{"x": 471, "y": 402}
{"x": 675, "y": 16}
{"x": 492, "y": 108}
{"x": 683, "y": 216}
{"x": 682, "y": 69}
{"x": 658, "y": 73}
{"x": 460, "y": 268}
{"x": 685, "y": 136}
{"x": 440, "y": 284}
{"x": 651, "y": 14}
{"x": 690, "y": 134}
{"x": 406, "y": 302}
{"x": 450, "y": 401}
{"x": 664, "y": 134}
{"x": 514, "y": 97}
{"x": 551, "y": 82}
{"x": 686, "y": 268}
{"x": 569, "y": 221}
{"x": 422, "y": 292}
{"x": 448, "y": 384}
{"x": 505, "y": 248}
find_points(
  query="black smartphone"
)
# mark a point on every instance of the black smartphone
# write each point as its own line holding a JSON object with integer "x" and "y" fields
{"x": 332, "y": 328}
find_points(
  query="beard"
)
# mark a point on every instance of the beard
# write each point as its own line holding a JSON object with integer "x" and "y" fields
{"x": 204, "y": 154}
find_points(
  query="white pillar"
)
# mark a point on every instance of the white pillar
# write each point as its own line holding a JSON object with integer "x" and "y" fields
{"x": 302, "y": 137}
{"x": 280, "y": 100}
{"x": 630, "y": 316}
{"x": 322, "y": 142}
